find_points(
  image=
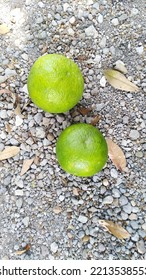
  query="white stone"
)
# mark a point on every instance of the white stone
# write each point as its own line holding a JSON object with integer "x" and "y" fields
{"x": 140, "y": 50}
{"x": 25, "y": 89}
{"x": 100, "y": 18}
{"x": 18, "y": 121}
{"x": 65, "y": 7}
{"x": 25, "y": 56}
{"x": 82, "y": 219}
{"x": 103, "y": 81}
{"x": 40, "y": 133}
{"x": 91, "y": 31}
{"x": 25, "y": 221}
{"x": 144, "y": 226}
{"x": 97, "y": 58}
{"x": 19, "y": 192}
{"x": 19, "y": 184}
{"x": 134, "y": 12}
{"x": 119, "y": 65}
{"x": 41, "y": 4}
{"x": 72, "y": 20}
{"x": 70, "y": 31}
{"x": 102, "y": 43}
{"x": 19, "y": 202}
{"x": 115, "y": 21}
{"x": 54, "y": 247}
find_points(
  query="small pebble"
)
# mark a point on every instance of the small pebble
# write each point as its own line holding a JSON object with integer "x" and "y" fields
{"x": 134, "y": 134}
{"x": 114, "y": 173}
{"x": 82, "y": 219}
{"x": 103, "y": 81}
{"x": 141, "y": 247}
{"x": 54, "y": 247}
{"x": 108, "y": 200}
{"x": 25, "y": 221}
{"x": 91, "y": 32}
{"x": 115, "y": 21}
{"x": 100, "y": 18}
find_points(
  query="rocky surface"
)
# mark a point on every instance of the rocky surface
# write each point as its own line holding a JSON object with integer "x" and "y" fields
{"x": 54, "y": 212}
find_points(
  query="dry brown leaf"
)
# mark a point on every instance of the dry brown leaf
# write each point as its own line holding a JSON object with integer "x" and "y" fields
{"x": 4, "y": 29}
{"x": 76, "y": 191}
{"x": 116, "y": 155}
{"x": 45, "y": 49}
{"x": 57, "y": 209}
{"x": 26, "y": 248}
{"x": 26, "y": 165}
{"x": 114, "y": 229}
{"x": 7, "y": 91}
{"x": 86, "y": 238}
{"x": 8, "y": 128}
{"x": 84, "y": 111}
{"x": 9, "y": 152}
{"x": 17, "y": 110}
{"x": 119, "y": 81}
{"x": 95, "y": 120}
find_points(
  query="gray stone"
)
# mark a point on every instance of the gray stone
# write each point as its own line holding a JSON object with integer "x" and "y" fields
{"x": 101, "y": 248}
{"x": 38, "y": 118}
{"x": 134, "y": 224}
{"x": 108, "y": 200}
{"x": 44, "y": 250}
{"x": 123, "y": 200}
{"x": 141, "y": 247}
{"x": 127, "y": 208}
{"x": 114, "y": 173}
{"x": 91, "y": 31}
{"x": 7, "y": 180}
{"x": 82, "y": 219}
{"x": 40, "y": 133}
{"x": 102, "y": 43}
{"x": 19, "y": 202}
{"x": 134, "y": 134}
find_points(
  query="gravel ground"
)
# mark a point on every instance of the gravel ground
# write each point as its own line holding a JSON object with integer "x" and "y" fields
{"x": 54, "y": 212}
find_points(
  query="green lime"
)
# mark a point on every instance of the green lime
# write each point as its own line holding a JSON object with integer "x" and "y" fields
{"x": 55, "y": 83}
{"x": 81, "y": 150}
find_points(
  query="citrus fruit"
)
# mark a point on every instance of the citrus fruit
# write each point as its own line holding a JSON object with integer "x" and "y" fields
{"x": 55, "y": 83}
{"x": 81, "y": 150}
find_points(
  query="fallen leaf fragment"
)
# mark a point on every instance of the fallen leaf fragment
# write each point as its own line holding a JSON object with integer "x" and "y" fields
{"x": 4, "y": 29}
{"x": 84, "y": 111}
{"x": 119, "y": 81}
{"x": 26, "y": 165}
{"x": 7, "y": 91}
{"x": 86, "y": 238}
{"x": 116, "y": 155}
{"x": 76, "y": 191}
{"x": 26, "y": 248}
{"x": 95, "y": 120}
{"x": 9, "y": 152}
{"x": 114, "y": 229}
{"x": 8, "y": 128}
{"x": 57, "y": 209}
